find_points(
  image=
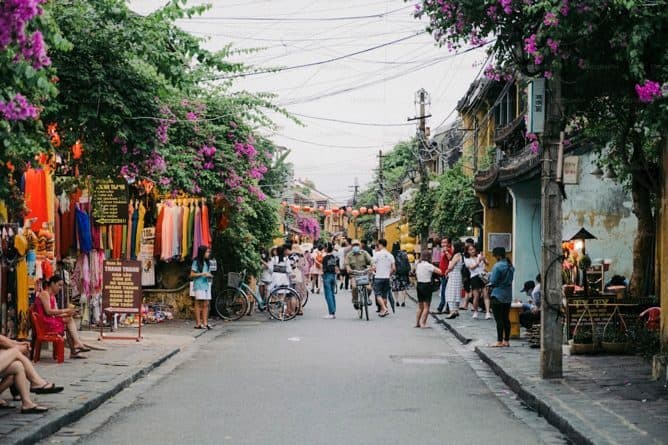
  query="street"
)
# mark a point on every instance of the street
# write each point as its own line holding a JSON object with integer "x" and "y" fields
{"x": 317, "y": 381}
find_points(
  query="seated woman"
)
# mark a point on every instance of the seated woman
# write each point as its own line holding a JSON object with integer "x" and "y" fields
{"x": 59, "y": 320}
{"x": 16, "y": 369}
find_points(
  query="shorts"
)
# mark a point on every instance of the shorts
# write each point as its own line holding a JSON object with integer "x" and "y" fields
{"x": 477, "y": 283}
{"x": 203, "y": 294}
{"x": 424, "y": 292}
{"x": 381, "y": 287}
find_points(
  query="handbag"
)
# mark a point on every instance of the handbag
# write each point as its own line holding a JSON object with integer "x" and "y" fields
{"x": 192, "y": 288}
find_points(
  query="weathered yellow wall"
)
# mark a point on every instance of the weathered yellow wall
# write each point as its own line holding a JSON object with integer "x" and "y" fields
{"x": 496, "y": 220}
{"x": 392, "y": 233}
{"x": 486, "y": 130}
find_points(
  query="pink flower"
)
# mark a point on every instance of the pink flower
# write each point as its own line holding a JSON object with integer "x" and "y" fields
{"x": 538, "y": 59}
{"x": 18, "y": 109}
{"x": 649, "y": 91}
{"x": 550, "y": 19}
{"x": 506, "y": 5}
{"x": 565, "y": 8}
{"x": 530, "y": 44}
{"x": 548, "y": 74}
{"x": 554, "y": 46}
{"x": 191, "y": 116}
{"x": 239, "y": 199}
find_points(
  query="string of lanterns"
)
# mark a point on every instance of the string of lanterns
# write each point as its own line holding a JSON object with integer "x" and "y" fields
{"x": 339, "y": 211}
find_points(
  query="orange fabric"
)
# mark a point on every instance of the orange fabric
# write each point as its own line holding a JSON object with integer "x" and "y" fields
{"x": 35, "y": 197}
{"x": 117, "y": 250}
{"x": 206, "y": 230}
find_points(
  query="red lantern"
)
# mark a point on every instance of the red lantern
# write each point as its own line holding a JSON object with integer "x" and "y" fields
{"x": 328, "y": 212}
{"x": 355, "y": 213}
{"x": 363, "y": 210}
{"x": 295, "y": 208}
{"x": 307, "y": 209}
{"x": 335, "y": 209}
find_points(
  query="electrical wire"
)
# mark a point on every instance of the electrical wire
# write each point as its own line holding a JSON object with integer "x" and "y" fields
{"x": 321, "y": 62}
{"x": 296, "y": 19}
{"x": 318, "y": 144}
{"x": 365, "y": 124}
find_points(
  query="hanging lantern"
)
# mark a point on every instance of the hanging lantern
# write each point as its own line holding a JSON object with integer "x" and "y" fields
{"x": 375, "y": 208}
{"x": 295, "y": 208}
{"x": 77, "y": 149}
{"x": 307, "y": 209}
{"x": 335, "y": 209}
{"x": 355, "y": 213}
{"x": 381, "y": 210}
{"x": 328, "y": 212}
{"x": 148, "y": 185}
{"x": 363, "y": 210}
{"x": 342, "y": 212}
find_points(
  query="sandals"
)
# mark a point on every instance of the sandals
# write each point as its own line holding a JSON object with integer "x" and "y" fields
{"x": 5, "y": 405}
{"x": 34, "y": 410}
{"x": 497, "y": 345}
{"x": 79, "y": 350}
{"x": 48, "y": 388}
{"x": 77, "y": 356}
{"x": 384, "y": 314}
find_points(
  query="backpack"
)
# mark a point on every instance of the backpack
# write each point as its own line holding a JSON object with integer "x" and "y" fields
{"x": 466, "y": 272}
{"x": 403, "y": 266}
{"x": 330, "y": 264}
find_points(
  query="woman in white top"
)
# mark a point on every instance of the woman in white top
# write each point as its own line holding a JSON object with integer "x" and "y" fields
{"x": 476, "y": 263}
{"x": 453, "y": 290}
{"x": 423, "y": 272}
{"x": 281, "y": 269}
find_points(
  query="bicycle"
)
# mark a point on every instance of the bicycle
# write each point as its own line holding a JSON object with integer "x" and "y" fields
{"x": 362, "y": 282}
{"x": 283, "y": 303}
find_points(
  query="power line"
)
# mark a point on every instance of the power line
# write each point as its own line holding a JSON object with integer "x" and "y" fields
{"x": 366, "y": 124}
{"x": 298, "y": 19}
{"x": 321, "y": 62}
{"x": 318, "y": 144}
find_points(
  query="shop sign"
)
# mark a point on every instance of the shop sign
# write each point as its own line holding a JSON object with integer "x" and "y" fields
{"x": 499, "y": 240}
{"x": 146, "y": 257}
{"x": 110, "y": 201}
{"x": 571, "y": 169}
{"x": 121, "y": 286}
{"x": 536, "y": 108}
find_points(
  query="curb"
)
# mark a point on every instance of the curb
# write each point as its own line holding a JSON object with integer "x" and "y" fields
{"x": 532, "y": 400}
{"x": 62, "y": 420}
{"x": 536, "y": 403}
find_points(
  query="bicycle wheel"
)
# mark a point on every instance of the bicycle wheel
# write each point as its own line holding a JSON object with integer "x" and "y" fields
{"x": 366, "y": 305}
{"x": 231, "y": 305}
{"x": 360, "y": 302}
{"x": 303, "y": 296}
{"x": 283, "y": 303}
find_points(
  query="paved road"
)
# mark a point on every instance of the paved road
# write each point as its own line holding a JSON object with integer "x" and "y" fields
{"x": 317, "y": 381}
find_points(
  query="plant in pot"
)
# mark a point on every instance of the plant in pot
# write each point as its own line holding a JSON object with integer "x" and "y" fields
{"x": 615, "y": 339}
{"x": 583, "y": 340}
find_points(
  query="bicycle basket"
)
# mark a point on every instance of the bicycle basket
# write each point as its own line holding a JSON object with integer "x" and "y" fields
{"x": 233, "y": 279}
{"x": 362, "y": 280}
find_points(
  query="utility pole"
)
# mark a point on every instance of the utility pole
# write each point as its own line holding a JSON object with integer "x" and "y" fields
{"x": 355, "y": 189}
{"x": 381, "y": 193}
{"x": 551, "y": 334}
{"x": 424, "y": 174}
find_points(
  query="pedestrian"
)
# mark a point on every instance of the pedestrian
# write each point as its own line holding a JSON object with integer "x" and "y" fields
{"x": 357, "y": 260}
{"x": 343, "y": 273}
{"x": 466, "y": 274}
{"x": 330, "y": 267}
{"x": 383, "y": 267}
{"x": 424, "y": 271}
{"x": 316, "y": 269}
{"x": 400, "y": 282}
{"x": 265, "y": 276}
{"x": 454, "y": 283}
{"x": 501, "y": 281}
{"x": 531, "y": 311}
{"x": 365, "y": 246}
{"x": 436, "y": 253}
{"x": 202, "y": 278}
{"x": 446, "y": 255}
{"x": 60, "y": 321}
{"x": 476, "y": 263}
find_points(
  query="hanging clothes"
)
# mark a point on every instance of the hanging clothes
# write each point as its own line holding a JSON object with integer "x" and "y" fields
{"x": 56, "y": 231}
{"x": 67, "y": 208}
{"x": 84, "y": 231}
{"x": 184, "y": 231}
{"x": 50, "y": 191}
{"x": 167, "y": 232}
{"x": 117, "y": 250}
{"x": 177, "y": 216}
{"x": 133, "y": 233}
{"x": 197, "y": 232}
{"x": 206, "y": 230}
{"x": 22, "y": 282}
{"x": 128, "y": 237}
{"x": 191, "y": 226}
{"x": 140, "y": 227}
{"x": 157, "y": 243}
{"x": 35, "y": 196}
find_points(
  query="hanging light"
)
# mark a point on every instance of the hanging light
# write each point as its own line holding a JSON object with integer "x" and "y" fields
{"x": 597, "y": 172}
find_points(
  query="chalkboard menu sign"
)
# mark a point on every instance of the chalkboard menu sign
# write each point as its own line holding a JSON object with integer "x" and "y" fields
{"x": 110, "y": 201}
{"x": 121, "y": 285}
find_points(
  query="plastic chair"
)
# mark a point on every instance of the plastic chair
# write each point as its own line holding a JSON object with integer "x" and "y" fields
{"x": 41, "y": 335}
{"x": 652, "y": 318}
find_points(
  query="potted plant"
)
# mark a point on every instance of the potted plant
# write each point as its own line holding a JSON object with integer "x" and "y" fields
{"x": 615, "y": 339}
{"x": 583, "y": 340}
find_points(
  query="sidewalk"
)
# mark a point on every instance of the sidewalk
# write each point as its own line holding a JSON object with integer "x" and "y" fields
{"x": 602, "y": 399}
{"x": 90, "y": 382}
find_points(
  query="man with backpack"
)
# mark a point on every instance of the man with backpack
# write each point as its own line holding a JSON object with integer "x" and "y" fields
{"x": 330, "y": 267}
{"x": 401, "y": 277}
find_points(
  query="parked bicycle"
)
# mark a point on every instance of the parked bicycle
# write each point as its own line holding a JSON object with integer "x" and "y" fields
{"x": 283, "y": 303}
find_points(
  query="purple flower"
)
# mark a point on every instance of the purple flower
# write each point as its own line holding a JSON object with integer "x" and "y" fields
{"x": 506, "y": 5}
{"x": 18, "y": 109}
{"x": 191, "y": 116}
{"x": 530, "y": 44}
{"x": 550, "y": 19}
{"x": 548, "y": 74}
{"x": 164, "y": 181}
{"x": 649, "y": 91}
{"x": 239, "y": 199}
{"x": 565, "y": 8}
{"x": 554, "y": 46}
{"x": 161, "y": 131}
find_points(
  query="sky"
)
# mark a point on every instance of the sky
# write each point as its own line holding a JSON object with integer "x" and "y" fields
{"x": 393, "y": 58}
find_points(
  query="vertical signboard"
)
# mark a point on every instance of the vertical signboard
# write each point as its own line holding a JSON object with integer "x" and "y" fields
{"x": 121, "y": 291}
{"x": 110, "y": 201}
{"x": 536, "y": 108}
